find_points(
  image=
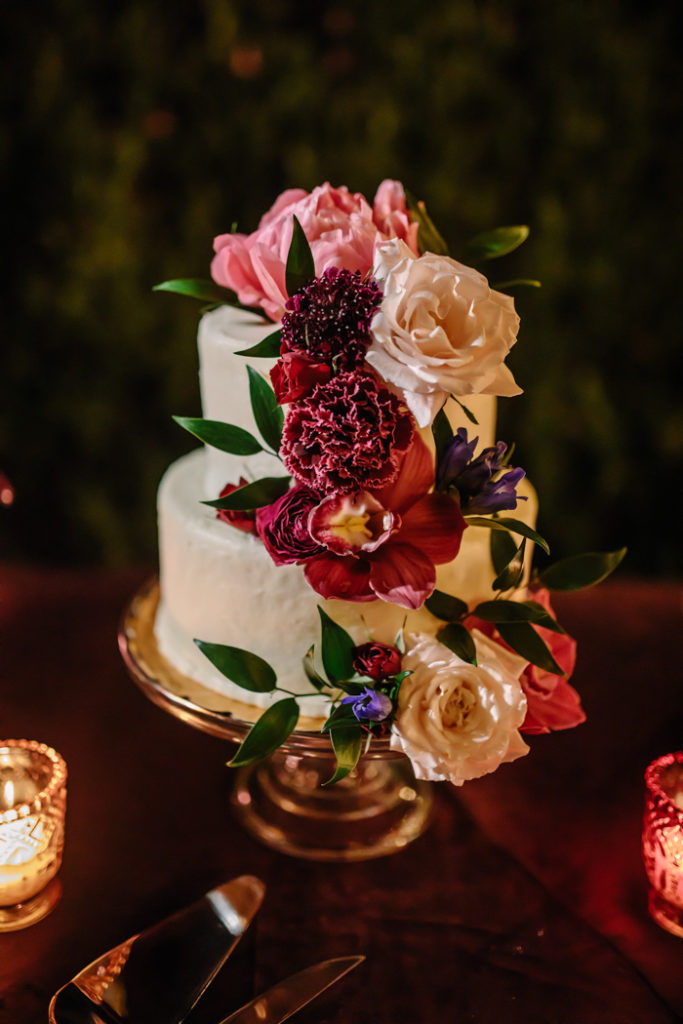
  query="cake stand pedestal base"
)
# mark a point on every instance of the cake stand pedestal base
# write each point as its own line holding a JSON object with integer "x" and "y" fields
{"x": 376, "y": 810}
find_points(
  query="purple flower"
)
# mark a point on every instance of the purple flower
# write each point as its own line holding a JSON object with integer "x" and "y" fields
{"x": 481, "y": 484}
{"x": 369, "y": 706}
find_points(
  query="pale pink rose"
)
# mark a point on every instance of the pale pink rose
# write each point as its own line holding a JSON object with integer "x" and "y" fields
{"x": 458, "y": 721}
{"x": 551, "y": 702}
{"x": 441, "y": 330}
{"x": 340, "y": 229}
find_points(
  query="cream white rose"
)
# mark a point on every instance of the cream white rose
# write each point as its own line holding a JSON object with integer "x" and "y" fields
{"x": 458, "y": 721}
{"x": 441, "y": 330}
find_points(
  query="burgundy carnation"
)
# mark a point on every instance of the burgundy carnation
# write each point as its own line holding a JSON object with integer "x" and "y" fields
{"x": 242, "y": 520}
{"x": 329, "y": 318}
{"x": 350, "y": 434}
{"x": 294, "y": 376}
{"x": 376, "y": 660}
{"x": 283, "y": 526}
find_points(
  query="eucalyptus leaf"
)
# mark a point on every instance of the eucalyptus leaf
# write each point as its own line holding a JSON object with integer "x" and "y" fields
{"x": 520, "y": 282}
{"x": 198, "y": 288}
{"x": 524, "y": 639}
{"x": 512, "y": 574}
{"x": 446, "y": 607}
{"x": 490, "y": 245}
{"x": 336, "y": 649}
{"x": 441, "y": 432}
{"x": 314, "y": 678}
{"x": 268, "y": 348}
{"x": 254, "y": 495}
{"x": 300, "y": 265}
{"x": 503, "y": 549}
{"x": 347, "y": 743}
{"x": 459, "y": 640}
{"x": 468, "y": 412}
{"x": 581, "y": 570}
{"x": 510, "y": 611}
{"x": 224, "y": 436}
{"x": 429, "y": 238}
{"x": 269, "y": 416}
{"x": 268, "y": 733}
{"x": 241, "y": 667}
{"x": 512, "y": 525}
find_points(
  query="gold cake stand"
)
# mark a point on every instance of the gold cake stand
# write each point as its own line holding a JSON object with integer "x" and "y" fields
{"x": 376, "y": 810}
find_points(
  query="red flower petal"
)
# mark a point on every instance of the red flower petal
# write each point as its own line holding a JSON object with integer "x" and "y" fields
{"x": 434, "y": 525}
{"x": 402, "y": 574}
{"x": 344, "y": 578}
{"x": 350, "y": 523}
{"x": 415, "y": 477}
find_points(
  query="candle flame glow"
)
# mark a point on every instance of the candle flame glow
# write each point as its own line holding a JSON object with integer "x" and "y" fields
{"x": 8, "y": 794}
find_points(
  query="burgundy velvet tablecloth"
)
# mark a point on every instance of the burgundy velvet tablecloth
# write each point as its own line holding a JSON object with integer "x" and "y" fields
{"x": 525, "y": 901}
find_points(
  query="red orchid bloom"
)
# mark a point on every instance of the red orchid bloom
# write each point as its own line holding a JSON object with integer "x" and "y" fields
{"x": 386, "y": 544}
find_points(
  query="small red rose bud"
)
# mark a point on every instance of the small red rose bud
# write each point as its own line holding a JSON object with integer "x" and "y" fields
{"x": 376, "y": 660}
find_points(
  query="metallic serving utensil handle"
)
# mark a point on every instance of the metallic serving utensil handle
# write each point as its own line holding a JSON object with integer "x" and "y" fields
{"x": 285, "y": 999}
{"x": 160, "y": 974}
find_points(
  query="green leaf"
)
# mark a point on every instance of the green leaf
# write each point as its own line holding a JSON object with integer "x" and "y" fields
{"x": 503, "y": 549}
{"x": 300, "y": 265}
{"x": 268, "y": 414}
{"x": 347, "y": 742}
{"x": 268, "y": 348}
{"x": 341, "y": 715}
{"x": 441, "y": 432}
{"x": 581, "y": 570}
{"x": 524, "y": 639}
{"x": 446, "y": 607}
{"x": 459, "y": 640}
{"x": 491, "y": 244}
{"x": 520, "y": 282}
{"x": 268, "y": 733}
{"x": 255, "y": 495}
{"x": 241, "y": 667}
{"x": 224, "y": 436}
{"x": 314, "y": 678}
{"x": 513, "y": 525}
{"x": 470, "y": 415}
{"x": 428, "y": 238}
{"x": 198, "y": 288}
{"x": 544, "y": 618}
{"x": 336, "y": 649}
{"x": 510, "y": 611}
{"x": 511, "y": 575}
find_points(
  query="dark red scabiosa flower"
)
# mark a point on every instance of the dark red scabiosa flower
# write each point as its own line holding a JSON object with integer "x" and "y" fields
{"x": 328, "y": 320}
{"x": 376, "y": 660}
{"x": 241, "y": 520}
{"x": 295, "y": 375}
{"x": 386, "y": 545}
{"x": 350, "y": 434}
{"x": 283, "y": 526}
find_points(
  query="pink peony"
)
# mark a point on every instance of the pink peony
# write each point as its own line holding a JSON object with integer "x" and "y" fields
{"x": 551, "y": 702}
{"x": 386, "y": 545}
{"x": 341, "y": 229}
{"x": 350, "y": 434}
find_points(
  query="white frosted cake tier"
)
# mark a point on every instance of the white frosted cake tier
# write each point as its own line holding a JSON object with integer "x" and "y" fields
{"x": 219, "y": 584}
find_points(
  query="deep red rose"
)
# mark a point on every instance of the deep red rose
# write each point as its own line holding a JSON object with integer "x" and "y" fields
{"x": 241, "y": 520}
{"x": 350, "y": 434}
{"x": 376, "y": 660}
{"x": 294, "y": 376}
{"x": 283, "y": 527}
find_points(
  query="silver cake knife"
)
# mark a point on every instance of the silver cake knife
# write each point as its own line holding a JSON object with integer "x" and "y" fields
{"x": 286, "y": 998}
{"x": 160, "y": 974}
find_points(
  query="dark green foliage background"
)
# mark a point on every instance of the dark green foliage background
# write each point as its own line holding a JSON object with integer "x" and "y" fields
{"x": 135, "y": 131}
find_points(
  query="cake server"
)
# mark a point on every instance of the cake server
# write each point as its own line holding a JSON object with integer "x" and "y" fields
{"x": 286, "y": 998}
{"x": 160, "y": 974}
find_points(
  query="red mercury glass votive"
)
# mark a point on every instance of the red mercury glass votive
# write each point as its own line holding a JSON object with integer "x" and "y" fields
{"x": 663, "y": 840}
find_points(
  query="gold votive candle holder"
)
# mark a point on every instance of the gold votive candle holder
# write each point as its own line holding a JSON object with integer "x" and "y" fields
{"x": 32, "y": 810}
{"x": 663, "y": 840}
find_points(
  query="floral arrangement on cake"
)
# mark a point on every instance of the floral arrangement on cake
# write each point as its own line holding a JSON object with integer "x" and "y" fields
{"x": 378, "y": 327}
